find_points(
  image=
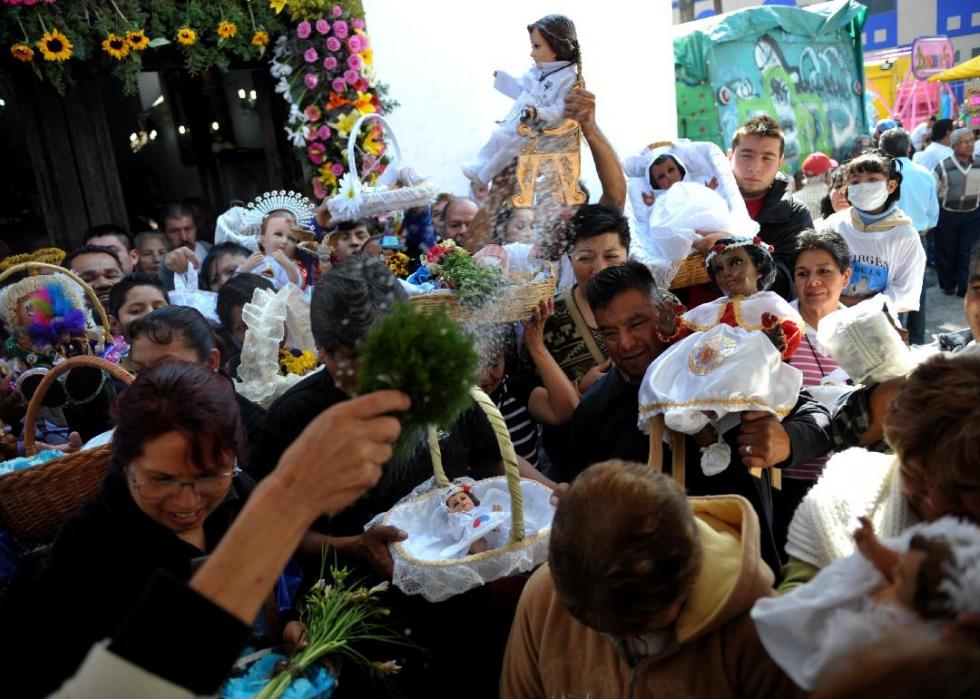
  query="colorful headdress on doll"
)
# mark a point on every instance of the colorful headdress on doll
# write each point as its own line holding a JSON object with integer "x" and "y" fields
{"x": 263, "y": 206}
{"x": 57, "y": 308}
{"x": 759, "y": 251}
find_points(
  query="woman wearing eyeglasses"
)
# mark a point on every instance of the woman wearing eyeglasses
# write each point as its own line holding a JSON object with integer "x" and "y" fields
{"x": 172, "y": 490}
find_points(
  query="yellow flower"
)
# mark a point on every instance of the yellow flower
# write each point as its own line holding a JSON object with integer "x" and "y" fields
{"x": 116, "y": 46}
{"x": 22, "y": 52}
{"x": 260, "y": 38}
{"x": 278, "y": 5}
{"x": 344, "y": 124}
{"x": 363, "y": 103}
{"x": 367, "y": 57}
{"x": 327, "y": 178}
{"x": 137, "y": 40}
{"x": 227, "y": 30}
{"x": 372, "y": 144}
{"x": 186, "y": 36}
{"x": 55, "y": 46}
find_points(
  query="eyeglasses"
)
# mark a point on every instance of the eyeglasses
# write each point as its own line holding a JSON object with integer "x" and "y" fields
{"x": 162, "y": 487}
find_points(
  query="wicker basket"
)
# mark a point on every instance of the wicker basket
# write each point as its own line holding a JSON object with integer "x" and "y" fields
{"x": 36, "y": 501}
{"x": 52, "y": 256}
{"x": 692, "y": 272}
{"x": 437, "y": 580}
{"x": 511, "y": 304}
{"x": 32, "y": 267}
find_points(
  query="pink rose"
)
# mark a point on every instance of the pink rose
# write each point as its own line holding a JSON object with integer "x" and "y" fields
{"x": 354, "y": 61}
{"x": 313, "y": 113}
{"x": 337, "y": 169}
{"x": 340, "y": 29}
{"x": 325, "y": 133}
{"x": 338, "y": 85}
{"x": 311, "y": 55}
{"x": 319, "y": 191}
{"x": 330, "y": 63}
{"x": 303, "y": 30}
{"x": 355, "y": 44}
{"x": 315, "y": 152}
{"x": 351, "y": 77}
{"x": 322, "y": 26}
{"x": 333, "y": 44}
{"x": 336, "y": 11}
{"x": 311, "y": 80}
{"x": 310, "y": 133}
{"x": 357, "y": 23}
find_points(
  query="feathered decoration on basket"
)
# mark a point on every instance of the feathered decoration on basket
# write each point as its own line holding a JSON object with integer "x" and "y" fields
{"x": 299, "y": 206}
{"x": 52, "y": 315}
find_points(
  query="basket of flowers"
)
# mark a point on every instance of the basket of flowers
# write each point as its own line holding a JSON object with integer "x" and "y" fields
{"x": 474, "y": 292}
{"x": 372, "y": 194}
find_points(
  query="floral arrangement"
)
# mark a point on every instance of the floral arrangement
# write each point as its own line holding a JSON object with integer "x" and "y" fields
{"x": 425, "y": 355}
{"x": 454, "y": 268}
{"x": 398, "y": 263}
{"x": 324, "y": 68}
{"x": 49, "y": 35}
{"x": 338, "y": 617}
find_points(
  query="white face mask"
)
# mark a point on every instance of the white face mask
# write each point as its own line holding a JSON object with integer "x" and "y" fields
{"x": 868, "y": 196}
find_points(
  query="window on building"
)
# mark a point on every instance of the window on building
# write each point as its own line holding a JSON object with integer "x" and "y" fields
{"x": 878, "y": 6}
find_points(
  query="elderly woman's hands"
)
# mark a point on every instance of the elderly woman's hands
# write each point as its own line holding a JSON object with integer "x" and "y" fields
{"x": 338, "y": 456}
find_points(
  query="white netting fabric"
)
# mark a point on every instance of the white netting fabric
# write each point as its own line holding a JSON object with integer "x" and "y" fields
{"x": 863, "y": 340}
{"x": 418, "y": 568}
{"x": 266, "y": 317}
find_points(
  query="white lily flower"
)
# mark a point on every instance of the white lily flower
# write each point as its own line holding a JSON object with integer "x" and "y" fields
{"x": 347, "y": 201}
{"x": 282, "y": 87}
{"x": 296, "y": 136}
{"x": 296, "y": 115}
{"x": 280, "y": 70}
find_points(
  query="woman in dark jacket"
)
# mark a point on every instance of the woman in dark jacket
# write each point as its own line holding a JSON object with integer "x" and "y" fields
{"x": 172, "y": 490}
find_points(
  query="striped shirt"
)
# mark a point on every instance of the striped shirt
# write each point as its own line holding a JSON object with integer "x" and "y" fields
{"x": 814, "y": 364}
{"x": 523, "y": 430}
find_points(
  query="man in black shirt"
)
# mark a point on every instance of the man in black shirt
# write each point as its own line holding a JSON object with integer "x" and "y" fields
{"x": 626, "y": 305}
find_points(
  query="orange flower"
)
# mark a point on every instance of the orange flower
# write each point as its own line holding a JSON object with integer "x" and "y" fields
{"x": 260, "y": 38}
{"x": 186, "y": 36}
{"x": 335, "y": 101}
{"x": 227, "y": 30}
{"x": 22, "y": 52}
{"x": 365, "y": 103}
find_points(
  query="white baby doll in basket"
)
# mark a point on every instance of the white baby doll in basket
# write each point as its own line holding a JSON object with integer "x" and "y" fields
{"x": 679, "y": 191}
{"x": 475, "y": 526}
{"x": 279, "y": 221}
{"x": 726, "y": 356}
{"x": 539, "y": 94}
{"x": 907, "y": 588}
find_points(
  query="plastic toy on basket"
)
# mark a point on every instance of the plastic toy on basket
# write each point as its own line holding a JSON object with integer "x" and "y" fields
{"x": 357, "y": 200}
{"x": 435, "y": 561}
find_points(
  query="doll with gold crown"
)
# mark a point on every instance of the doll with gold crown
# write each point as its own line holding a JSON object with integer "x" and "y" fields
{"x": 726, "y": 356}
{"x": 279, "y": 221}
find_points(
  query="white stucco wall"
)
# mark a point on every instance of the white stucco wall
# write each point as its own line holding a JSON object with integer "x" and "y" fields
{"x": 438, "y": 57}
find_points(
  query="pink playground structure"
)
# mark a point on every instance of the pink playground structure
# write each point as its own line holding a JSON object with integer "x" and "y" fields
{"x": 917, "y": 99}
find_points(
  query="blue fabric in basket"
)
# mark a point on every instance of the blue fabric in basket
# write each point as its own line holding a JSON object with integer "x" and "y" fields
{"x": 22, "y": 462}
{"x": 316, "y": 683}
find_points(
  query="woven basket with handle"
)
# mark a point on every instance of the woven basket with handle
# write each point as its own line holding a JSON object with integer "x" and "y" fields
{"x": 439, "y": 579}
{"x": 692, "y": 272}
{"x": 511, "y": 304}
{"x": 36, "y": 501}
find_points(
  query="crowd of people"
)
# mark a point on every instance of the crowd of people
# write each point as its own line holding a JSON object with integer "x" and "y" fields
{"x": 728, "y": 584}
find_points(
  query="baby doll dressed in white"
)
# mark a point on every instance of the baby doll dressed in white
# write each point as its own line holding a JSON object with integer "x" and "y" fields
{"x": 679, "y": 191}
{"x": 475, "y": 526}
{"x": 539, "y": 94}
{"x": 277, "y": 220}
{"x": 908, "y": 587}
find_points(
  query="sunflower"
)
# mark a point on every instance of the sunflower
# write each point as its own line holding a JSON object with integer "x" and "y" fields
{"x": 116, "y": 46}
{"x": 260, "y": 38}
{"x": 137, "y": 40}
{"x": 22, "y": 52}
{"x": 55, "y": 46}
{"x": 186, "y": 36}
{"x": 227, "y": 30}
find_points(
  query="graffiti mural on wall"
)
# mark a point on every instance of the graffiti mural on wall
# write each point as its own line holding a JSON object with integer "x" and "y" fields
{"x": 813, "y": 88}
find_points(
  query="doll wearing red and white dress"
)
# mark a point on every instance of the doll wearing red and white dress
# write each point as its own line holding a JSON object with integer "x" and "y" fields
{"x": 743, "y": 269}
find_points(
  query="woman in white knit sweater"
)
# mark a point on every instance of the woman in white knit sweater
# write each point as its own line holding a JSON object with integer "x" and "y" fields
{"x": 934, "y": 429}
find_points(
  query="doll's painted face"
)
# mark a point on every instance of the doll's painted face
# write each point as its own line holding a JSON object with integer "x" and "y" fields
{"x": 665, "y": 174}
{"x": 277, "y": 234}
{"x": 460, "y": 502}
{"x": 735, "y": 273}
{"x": 541, "y": 51}
{"x": 519, "y": 227}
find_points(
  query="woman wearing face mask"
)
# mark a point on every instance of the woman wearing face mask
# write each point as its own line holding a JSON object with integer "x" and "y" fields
{"x": 886, "y": 255}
